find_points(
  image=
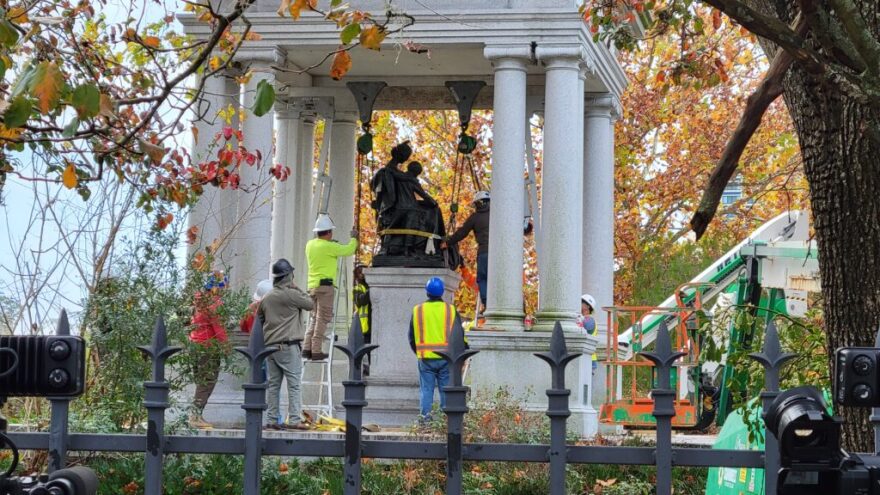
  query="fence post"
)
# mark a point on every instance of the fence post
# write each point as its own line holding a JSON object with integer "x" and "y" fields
{"x": 773, "y": 359}
{"x": 254, "y": 405}
{"x": 156, "y": 402}
{"x": 58, "y": 427}
{"x": 557, "y": 407}
{"x": 354, "y": 403}
{"x": 456, "y": 406}
{"x": 664, "y": 406}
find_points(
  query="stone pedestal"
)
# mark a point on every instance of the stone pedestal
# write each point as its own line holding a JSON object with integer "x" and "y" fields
{"x": 393, "y": 384}
{"x": 506, "y": 359}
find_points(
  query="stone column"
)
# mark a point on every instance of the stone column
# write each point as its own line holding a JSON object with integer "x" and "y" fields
{"x": 253, "y": 242}
{"x": 504, "y": 301}
{"x": 284, "y": 193}
{"x": 561, "y": 211}
{"x": 207, "y": 215}
{"x": 600, "y": 112}
{"x": 342, "y": 171}
{"x": 305, "y": 171}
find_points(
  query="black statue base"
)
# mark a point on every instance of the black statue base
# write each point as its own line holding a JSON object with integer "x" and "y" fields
{"x": 409, "y": 261}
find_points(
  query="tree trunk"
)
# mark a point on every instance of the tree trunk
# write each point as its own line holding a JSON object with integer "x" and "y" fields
{"x": 841, "y": 165}
{"x": 840, "y": 146}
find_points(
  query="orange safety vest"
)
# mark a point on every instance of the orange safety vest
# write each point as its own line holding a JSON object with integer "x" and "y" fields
{"x": 432, "y": 324}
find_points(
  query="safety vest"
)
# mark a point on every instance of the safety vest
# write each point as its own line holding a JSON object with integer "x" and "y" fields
{"x": 362, "y": 311}
{"x": 432, "y": 324}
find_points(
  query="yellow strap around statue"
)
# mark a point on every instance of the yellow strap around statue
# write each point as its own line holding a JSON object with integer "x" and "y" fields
{"x": 409, "y": 232}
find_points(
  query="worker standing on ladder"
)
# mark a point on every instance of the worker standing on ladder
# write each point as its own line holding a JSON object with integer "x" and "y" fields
{"x": 478, "y": 223}
{"x": 429, "y": 331}
{"x": 280, "y": 311}
{"x": 322, "y": 256}
{"x": 363, "y": 307}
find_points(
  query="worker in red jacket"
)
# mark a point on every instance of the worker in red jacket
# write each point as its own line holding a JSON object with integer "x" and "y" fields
{"x": 207, "y": 330}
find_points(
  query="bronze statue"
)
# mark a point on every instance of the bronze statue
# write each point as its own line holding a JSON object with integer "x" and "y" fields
{"x": 408, "y": 218}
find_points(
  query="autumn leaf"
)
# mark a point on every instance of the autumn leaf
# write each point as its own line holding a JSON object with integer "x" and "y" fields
{"x": 341, "y": 65}
{"x": 372, "y": 37}
{"x": 156, "y": 153}
{"x": 45, "y": 85}
{"x": 164, "y": 220}
{"x": 195, "y": 133}
{"x": 106, "y": 105}
{"x": 192, "y": 235}
{"x": 297, "y": 7}
{"x": 152, "y": 41}
{"x": 716, "y": 18}
{"x": 69, "y": 178}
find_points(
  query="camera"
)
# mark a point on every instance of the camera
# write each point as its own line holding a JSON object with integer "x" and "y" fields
{"x": 811, "y": 460}
{"x": 42, "y": 366}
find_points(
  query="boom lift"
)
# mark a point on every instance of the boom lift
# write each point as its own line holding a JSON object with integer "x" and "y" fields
{"x": 769, "y": 273}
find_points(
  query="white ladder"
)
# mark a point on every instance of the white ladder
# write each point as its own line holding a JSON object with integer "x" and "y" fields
{"x": 324, "y": 406}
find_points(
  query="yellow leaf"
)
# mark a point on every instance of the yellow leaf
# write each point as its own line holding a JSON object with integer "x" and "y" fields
{"x": 18, "y": 15}
{"x": 214, "y": 63}
{"x": 607, "y": 483}
{"x": 152, "y": 41}
{"x": 46, "y": 86}
{"x": 285, "y": 6}
{"x": 341, "y": 65}
{"x": 252, "y": 36}
{"x": 206, "y": 16}
{"x": 297, "y": 7}
{"x": 107, "y": 107}
{"x": 10, "y": 134}
{"x": 372, "y": 37}
{"x": 156, "y": 153}
{"x": 68, "y": 178}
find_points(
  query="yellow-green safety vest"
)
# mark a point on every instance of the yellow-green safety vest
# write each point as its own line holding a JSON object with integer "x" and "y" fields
{"x": 432, "y": 325}
{"x": 362, "y": 311}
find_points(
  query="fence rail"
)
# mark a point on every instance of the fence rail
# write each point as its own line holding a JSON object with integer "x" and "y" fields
{"x": 353, "y": 448}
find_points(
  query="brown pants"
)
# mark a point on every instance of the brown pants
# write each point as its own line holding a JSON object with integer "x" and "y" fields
{"x": 206, "y": 379}
{"x": 322, "y": 315}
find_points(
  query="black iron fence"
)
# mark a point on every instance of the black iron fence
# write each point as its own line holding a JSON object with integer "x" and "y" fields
{"x": 353, "y": 449}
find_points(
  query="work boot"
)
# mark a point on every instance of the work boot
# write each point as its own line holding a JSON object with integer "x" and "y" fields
{"x": 319, "y": 356}
{"x": 306, "y": 354}
{"x": 298, "y": 426}
{"x": 198, "y": 422}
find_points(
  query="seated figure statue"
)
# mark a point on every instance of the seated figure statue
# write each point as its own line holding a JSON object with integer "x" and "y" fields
{"x": 402, "y": 204}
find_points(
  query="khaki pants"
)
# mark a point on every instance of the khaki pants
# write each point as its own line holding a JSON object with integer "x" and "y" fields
{"x": 206, "y": 378}
{"x": 322, "y": 315}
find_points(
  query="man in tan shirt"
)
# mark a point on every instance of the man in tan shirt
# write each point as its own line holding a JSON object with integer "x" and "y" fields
{"x": 281, "y": 314}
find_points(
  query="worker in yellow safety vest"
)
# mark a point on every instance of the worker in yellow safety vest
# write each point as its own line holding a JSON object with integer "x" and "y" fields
{"x": 586, "y": 321}
{"x": 363, "y": 307}
{"x": 429, "y": 332}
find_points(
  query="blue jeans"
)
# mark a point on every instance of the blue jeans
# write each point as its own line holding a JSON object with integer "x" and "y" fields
{"x": 483, "y": 275}
{"x": 432, "y": 372}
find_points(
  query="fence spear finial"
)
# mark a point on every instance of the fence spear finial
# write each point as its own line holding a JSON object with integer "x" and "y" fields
{"x": 355, "y": 349}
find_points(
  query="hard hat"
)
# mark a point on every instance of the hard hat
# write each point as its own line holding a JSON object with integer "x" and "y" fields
{"x": 434, "y": 287}
{"x": 481, "y": 196}
{"x": 589, "y": 300}
{"x": 323, "y": 223}
{"x": 281, "y": 268}
{"x": 263, "y": 288}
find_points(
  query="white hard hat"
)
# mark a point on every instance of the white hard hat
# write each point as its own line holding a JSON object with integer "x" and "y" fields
{"x": 263, "y": 288}
{"x": 589, "y": 300}
{"x": 323, "y": 223}
{"x": 481, "y": 196}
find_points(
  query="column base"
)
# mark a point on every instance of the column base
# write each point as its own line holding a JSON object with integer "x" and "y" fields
{"x": 504, "y": 320}
{"x": 506, "y": 360}
{"x": 546, "y": 320}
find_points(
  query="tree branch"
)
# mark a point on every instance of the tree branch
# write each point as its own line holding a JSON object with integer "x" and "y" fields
{"x": 858, "y": 32}
{"x": 756, "y": 105}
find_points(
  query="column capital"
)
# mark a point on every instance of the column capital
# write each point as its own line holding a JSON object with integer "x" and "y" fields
{"x": 562, "y": 56}
{"x": 261, "y": 56}
{"x": 508, "y": 57}
{"x": 602, "y": 105}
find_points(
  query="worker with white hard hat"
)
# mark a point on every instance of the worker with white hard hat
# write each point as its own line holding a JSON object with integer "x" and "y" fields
{"x": 586, "y": 321}
{"x": 322, "y": 254}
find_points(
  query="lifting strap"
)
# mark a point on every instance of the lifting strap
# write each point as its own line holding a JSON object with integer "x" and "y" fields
{"x": 324, "y": 182}
{"x": 464, "y": 93}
